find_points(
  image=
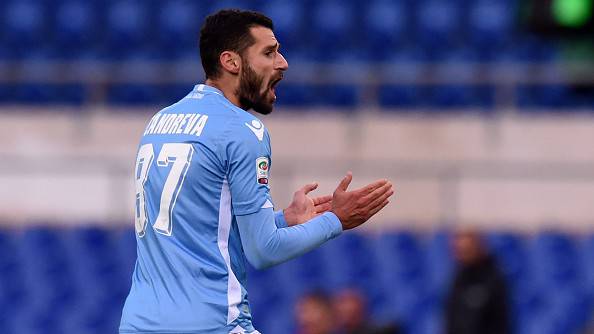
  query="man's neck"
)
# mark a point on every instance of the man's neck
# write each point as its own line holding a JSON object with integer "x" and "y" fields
{"x": 227, "y": 88}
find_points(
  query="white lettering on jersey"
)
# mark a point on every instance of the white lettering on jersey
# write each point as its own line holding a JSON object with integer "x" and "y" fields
{"x": 189, "y": 124}
{"x": 257, "y": 128}
{"x": 175, "y": 124}
{"x": 197, "y": 130}
{"x": 162, "y": 123}
{"x": 151, "y": 127}
{"x": 183, "y": 122}
{"x": 169, "y": 124}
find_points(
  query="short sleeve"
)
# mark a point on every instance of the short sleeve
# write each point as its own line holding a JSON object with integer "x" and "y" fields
{"x": 248, "y": 153}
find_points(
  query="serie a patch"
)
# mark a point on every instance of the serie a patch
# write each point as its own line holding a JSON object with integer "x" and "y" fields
{"x": 262, "y": 167}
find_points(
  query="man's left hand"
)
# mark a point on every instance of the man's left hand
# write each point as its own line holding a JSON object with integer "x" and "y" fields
{"x": 304, "y": 208}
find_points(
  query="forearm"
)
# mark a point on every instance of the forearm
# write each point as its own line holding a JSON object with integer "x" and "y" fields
{"x": 266, "y": 245}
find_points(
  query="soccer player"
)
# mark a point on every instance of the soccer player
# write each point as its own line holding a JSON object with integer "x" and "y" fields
{"x": 202, "y": 196}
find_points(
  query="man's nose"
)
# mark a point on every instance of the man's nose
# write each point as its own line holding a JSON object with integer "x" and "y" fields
{"x": 281, "y": 63}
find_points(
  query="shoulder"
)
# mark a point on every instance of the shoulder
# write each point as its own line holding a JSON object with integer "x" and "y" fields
{"x": 243, "y": 134}
{"x": 249, "y": 133}
{"x": 254, "y": 128}
{"x": 246, "y": 127}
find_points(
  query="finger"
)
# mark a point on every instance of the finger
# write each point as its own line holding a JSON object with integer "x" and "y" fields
{"x": 381, "y": 198}
{"x": 309, "y": 187}
{"x": 378, "y": 208}
{"x": 323, "y": 207}
{"x": 378, "y": 192}
{"x": 372, "y": 186}
{"x": 322, "y": 199}
{"x": 344, "y": 184}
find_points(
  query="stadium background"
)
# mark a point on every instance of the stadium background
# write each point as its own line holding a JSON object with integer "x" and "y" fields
{"x": 480, "y": 112}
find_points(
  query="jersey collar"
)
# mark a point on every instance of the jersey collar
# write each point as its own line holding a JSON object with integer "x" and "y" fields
{"x": 202, "y": 88}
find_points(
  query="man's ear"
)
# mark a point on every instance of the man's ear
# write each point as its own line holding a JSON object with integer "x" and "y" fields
{"x": 230, "y": 61}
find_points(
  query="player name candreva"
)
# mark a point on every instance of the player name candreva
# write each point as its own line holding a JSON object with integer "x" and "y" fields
{"x": 188, "y": 124}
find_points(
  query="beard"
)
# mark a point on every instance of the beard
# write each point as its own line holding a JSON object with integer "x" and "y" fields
{"x": 250, "y": 97}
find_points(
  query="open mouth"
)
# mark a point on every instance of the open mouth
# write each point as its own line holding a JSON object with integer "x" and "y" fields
{"x": 276, "y": 81}
{"x": 273, "y": 86}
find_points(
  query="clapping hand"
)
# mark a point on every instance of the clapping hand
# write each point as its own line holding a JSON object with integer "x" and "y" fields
{"x": 355, "y": 207}
{"x": 304, "y": 207}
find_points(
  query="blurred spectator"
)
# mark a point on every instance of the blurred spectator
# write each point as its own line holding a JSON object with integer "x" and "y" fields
{"x": 351, "y": 312}
{"x": 314, "y": 314}
{"x": 477, "y": 301}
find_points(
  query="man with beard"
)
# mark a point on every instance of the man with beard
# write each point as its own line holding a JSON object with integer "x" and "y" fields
{"x": 202, "y": 197}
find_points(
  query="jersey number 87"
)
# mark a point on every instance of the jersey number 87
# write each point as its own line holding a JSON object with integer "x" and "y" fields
{"x": 178, "y": 154}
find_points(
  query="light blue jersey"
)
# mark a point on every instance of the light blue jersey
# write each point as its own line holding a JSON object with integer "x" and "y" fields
{"x": 201, "y": 162}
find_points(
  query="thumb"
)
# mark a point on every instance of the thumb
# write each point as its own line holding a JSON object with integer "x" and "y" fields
{"x": 344, "y": 184}
{"x": 309, "y": 187}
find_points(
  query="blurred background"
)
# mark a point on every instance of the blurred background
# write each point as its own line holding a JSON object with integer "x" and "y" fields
{"x": 480, "y": 112}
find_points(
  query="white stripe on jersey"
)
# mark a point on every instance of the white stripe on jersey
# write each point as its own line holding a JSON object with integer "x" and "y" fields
{"x": 239, "y": 330}
{"x": 233, "y": 285}
{"x": 267, "y": 204}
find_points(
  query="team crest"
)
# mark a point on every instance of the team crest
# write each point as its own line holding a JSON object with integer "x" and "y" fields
{"x": 262, "y": 167}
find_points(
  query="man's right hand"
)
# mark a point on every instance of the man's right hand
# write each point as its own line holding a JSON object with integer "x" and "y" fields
{"x": 355, "y": 207}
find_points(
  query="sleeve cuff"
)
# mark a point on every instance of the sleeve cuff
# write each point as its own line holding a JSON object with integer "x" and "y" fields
{"x": 335, "y": 223}
{"x": 279, "y": 219}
